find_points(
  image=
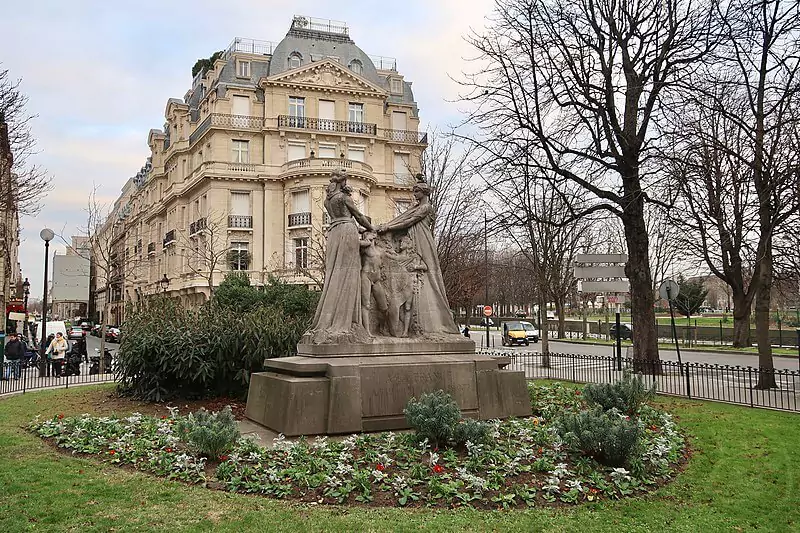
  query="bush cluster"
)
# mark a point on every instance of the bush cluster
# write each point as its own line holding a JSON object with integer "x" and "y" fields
{"x": 436, "y": 416}
{"x": 209, "y": 434}
{"x": 608, "y": 437}
{"x": 169, "y": 351}
{"x": 626, "y": 395}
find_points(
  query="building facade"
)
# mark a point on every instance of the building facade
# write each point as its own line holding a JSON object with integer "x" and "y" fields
{"x": 69, "y": 290}
{"x": 10, "y": 273}
{"x": 236, "y": 179}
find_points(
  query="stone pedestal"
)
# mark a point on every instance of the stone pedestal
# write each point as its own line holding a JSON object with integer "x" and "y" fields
{"x": 329, "y": 389}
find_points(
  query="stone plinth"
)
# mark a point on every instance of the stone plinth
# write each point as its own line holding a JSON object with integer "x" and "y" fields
{"x": 331, "y": 392}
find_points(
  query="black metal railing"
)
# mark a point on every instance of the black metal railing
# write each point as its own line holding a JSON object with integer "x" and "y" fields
{"x": 222, "y": 120}
{"x": 197, "y": 226}
{"x": 240, "y": 221}
{"x": 22, "y": 376}
{"x": 299, "y": 219}
{"x": 151, "y": 248}
{"x": 722, "y": 383}
{"x": 169, "y": 238}
{"x": 326, "y": 124}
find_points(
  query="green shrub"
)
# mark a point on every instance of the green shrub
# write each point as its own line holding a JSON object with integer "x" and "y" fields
{"x": 209, "y": 434}
{"x": 434, "y": 416}
{"x": 470, "y": 430}
{"x": 608, "y": 437}
{"x": 548, "y": 401}
{"x": 627, "y": 395}
{"x": 168, "y": 351}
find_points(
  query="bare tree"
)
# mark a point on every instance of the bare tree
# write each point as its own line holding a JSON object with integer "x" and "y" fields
{"x": 29, "y": 182}
{"x": 205, "y": 249}
{"x": 579, "y": 86}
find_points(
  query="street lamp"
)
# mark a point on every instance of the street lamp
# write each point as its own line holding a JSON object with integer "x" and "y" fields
{"x": 164, "y": 283}
{"x": 47, "y": 235}
{"x": 26, "y": 290}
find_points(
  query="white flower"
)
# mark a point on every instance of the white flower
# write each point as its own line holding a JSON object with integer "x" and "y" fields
{"x": 561, "y": 470}
{"x": 552, "y": 485}
{"x": 434, "y": 458}
{"x": 575, "y": 484}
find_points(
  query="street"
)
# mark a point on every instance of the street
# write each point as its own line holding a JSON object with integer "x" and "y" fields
{"x": 713, "y": 358}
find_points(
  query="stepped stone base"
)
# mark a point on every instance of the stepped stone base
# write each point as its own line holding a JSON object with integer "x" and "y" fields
{"x": 339, "y": 393}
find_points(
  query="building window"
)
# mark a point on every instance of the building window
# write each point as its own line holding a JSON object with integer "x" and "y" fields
{"x": 297, "y": 112}
{"x": 400, "y": 206}
{"x": 295, "y": 59}
{"x": 300, "y": 202}
{"x": 301, "y": 253}
{"x": 356, "y": 153}
{"x": 402, "y": 170}
{"x": 356, "y": 66}
{"x": 295, "y": 151}
{"x": 243, "y": 69}
{"x": 239, "y": 256}
{"x": 355, "y": 116}
{"x": 240, "y": 203}
{"x": 397, "y": 86}
{"x": 241, "y": 151}
{"x": 327, "y": 150}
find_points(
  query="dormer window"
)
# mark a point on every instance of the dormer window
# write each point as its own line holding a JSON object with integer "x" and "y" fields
{"x": 397, "y": 86}
{"x": 243, "y": 69}
{"x": 356, "y": 66}
{"x": 295, "y": 59}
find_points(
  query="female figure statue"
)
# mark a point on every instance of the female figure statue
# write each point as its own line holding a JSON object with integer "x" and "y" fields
{"x": 338, "y": 316}
{"x": 430, "y": 310}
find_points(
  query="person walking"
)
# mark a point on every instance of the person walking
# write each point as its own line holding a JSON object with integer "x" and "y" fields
{"x": 14, "y": 353}
{"x": 58, "y": 349}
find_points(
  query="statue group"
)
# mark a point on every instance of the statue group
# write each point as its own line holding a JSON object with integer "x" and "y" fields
{"x": 381, "y": 282}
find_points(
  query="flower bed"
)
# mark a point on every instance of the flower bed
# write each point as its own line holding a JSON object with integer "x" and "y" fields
{"x": 524, "y": 463}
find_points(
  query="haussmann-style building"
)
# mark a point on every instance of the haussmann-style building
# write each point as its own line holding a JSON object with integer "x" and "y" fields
{"x": 236, "y": 179}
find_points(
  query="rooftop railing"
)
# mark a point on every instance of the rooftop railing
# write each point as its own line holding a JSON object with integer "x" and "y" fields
{"x": 250, "y": 46}
{"x": 384, "y": 63}
{"x": 300, "y": 22}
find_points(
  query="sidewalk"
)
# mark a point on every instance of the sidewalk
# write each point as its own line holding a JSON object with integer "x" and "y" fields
{"x": 709, "y": 350}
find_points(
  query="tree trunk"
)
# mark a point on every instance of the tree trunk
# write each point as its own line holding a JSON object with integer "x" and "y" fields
{"x": 766, "y": 375}
{"x": 106, "y": 307}
{"x": 741, "y": 321}
{"x": 645, "y": 338}
{"x": 543, "y": 331}
{"x": 560, "y": 315}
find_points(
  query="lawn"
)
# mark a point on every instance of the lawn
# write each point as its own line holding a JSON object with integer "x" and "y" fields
{"x": 742, "y": 477}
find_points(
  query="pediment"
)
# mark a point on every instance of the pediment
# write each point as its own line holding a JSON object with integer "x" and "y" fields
{"x": 326, "y": 74}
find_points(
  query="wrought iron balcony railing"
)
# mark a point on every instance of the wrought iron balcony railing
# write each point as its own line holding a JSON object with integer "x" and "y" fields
{"x": 151, "y": 248}
{"x": 169, "y": 238}
{"x": 240, "y": 221}
{"x": 299, "y": 219}
{"x": 326, "y": 124}
{"x": 197, "y": 226}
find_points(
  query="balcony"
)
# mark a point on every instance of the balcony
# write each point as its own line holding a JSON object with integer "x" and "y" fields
{"x": 240, "y": 221}
{"x": 197, "y": 226}
{"x": 325, "y": 166}
{"x": 151, "y": 248}
{"x": 327, "y": 125}
{"x": 243, "y": 167}
{"x": 250, "y": 46}
{"x": 221, "y": 120}
{"x": 299, "y": 219}
{"x": 406, "y": 136}
{"x": 169, "y": 238}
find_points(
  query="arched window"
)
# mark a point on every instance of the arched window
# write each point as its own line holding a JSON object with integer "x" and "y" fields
{"x": 356, "y": 66}
{"x": 295, "y": 59}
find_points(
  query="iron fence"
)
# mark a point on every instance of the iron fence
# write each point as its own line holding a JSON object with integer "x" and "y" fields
{"x": 21, "y": 376}
{"x": 722, "y": 383}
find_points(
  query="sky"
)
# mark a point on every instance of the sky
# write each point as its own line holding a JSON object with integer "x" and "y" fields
{"x": 98, "y": 75}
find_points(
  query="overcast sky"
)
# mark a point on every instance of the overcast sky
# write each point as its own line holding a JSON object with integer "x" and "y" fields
{"x": 98, "y": 75}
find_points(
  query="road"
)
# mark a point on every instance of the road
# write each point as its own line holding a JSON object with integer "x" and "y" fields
{"x": 714, "y": 358}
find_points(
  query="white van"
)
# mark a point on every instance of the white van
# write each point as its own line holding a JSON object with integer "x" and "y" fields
{"x": 54, "y": 327}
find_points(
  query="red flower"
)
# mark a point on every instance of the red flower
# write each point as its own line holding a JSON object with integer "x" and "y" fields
{"x": 111, "y": 452}
{"x": 164, "y": 417}
{"x": 168, "y": 450}
{"x": 223, "y": 457}
{"x": 541, "y": 451}
{"x": 577, "y": 392}
{"x": 60, "y": 416}
{"x": 627, "y": 418}
{"x": 593, "y": 490}
{"x": 438, "y": 469}
{"x": 653, "y": 428}
{"x": 379, "y": 467}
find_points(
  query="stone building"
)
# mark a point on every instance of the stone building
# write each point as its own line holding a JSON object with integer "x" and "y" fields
{"x": 69, "y": 290}
{"x": 236, "y": 179}
{"x": 10, "y": 274}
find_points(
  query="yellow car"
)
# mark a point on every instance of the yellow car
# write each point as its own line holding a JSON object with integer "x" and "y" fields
{"x": 514, "y": 333}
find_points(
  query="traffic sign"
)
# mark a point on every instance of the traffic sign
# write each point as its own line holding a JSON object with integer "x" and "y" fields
{"x": 668, "y": 290}
{"x": 487, "y": 310}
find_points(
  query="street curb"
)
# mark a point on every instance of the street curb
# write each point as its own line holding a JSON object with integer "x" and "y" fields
{"x": 726, "y": 352}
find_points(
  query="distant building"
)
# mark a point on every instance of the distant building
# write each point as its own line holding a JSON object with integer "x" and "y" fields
{"x": 10, "y": 274}
{"x": 240, "y": 169}
{"x": 70, "y": 281}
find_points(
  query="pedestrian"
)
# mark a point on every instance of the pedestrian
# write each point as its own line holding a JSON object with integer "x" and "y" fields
{"x": 58, "y": 349}
{"x": 465, "y": 331}
{"x": 14, "y": 352}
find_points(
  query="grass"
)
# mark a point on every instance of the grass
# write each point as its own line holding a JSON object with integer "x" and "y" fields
{"x": 743, "y": 477}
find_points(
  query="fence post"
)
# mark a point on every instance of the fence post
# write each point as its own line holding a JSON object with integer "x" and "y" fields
{"x": 721, "y": 338}
{"x": 750, "y": 380}
{"x": 688, "y": 382}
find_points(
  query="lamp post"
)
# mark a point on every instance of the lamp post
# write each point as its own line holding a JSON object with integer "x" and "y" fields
{"x": 47, "y": 235}
{"x": 164, "y": 282}
{"x": 26, "y": 290}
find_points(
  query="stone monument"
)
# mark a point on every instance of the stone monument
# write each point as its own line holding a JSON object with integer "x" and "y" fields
{"x": 382, "y": 333}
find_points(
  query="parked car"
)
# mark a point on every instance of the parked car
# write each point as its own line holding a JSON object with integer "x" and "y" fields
{"x": 626, "y": 331}
{"x": 112, "y": 334}
{"x": 514, "y": 333}
{"x": 95, "y": 331}
{"x": 85, "y": 326}
{"x": 75, "y": 333}
{"x": 531, "y": 332}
